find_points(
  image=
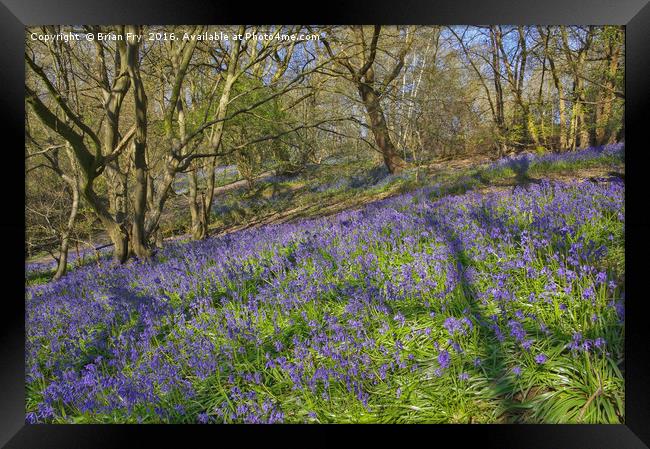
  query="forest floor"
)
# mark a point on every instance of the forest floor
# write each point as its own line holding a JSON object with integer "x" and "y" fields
{"x": 362, "y": 199}
{"x": 448, "y": 175}
{"x": 457, "y": 293}
{"x": 488, "y": 293}
{"x": 326, "y": 189}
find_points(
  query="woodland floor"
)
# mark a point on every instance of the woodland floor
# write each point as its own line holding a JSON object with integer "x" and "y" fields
{"x": 448, "y": 174}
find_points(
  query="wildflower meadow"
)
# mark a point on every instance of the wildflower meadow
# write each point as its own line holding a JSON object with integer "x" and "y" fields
{"x": 505, "y": 306}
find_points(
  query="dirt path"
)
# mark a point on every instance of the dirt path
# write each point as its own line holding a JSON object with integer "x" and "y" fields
{"x": 581, "y": 175}
{"x": 311, "y": 211}
{"x": 243, "y": 182}
{"x": 454, "y": 165}
{"x": 320, "y": 210}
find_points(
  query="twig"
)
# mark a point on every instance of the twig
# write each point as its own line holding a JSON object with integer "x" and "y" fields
{"x": 596, "y": 393}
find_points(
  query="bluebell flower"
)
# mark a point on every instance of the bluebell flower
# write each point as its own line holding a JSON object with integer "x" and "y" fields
{"x": 204, "y": 307}
{"x": 443, "y": 359}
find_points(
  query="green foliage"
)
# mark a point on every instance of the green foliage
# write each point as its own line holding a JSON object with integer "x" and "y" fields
{"x": 269, "y": 120}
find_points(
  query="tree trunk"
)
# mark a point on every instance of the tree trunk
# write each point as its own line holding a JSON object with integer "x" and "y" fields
{"x": 164, "y": 187}
{"x": 113, "y": 97}
{"x": 196, "y": 206}
{"x": 563, "y": 138}
{"x": 604, "y": 110}
{"x": 201, "y": 202}
{"x": 533, "y": 134}
{"x": 201, "y": 205}
{"x": 156, "y": 198}
{"x": 196, "y": 202}
{"x": 89, "y": 160}
{"x": 406, "y": 137}
{"x": 579, "y": 132}
{"x": 583, "y": 130}
{"x": 120, "y": 239}
{"x": 65, "y": 236}
{"x": 499, "y": 117}
{"x": 208, "y": 196}
{"x": 138, "y": 236}
{"x": 393, "y": 161}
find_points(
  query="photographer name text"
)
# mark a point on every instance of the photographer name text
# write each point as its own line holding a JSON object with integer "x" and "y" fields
{"x": 173, "y": 36}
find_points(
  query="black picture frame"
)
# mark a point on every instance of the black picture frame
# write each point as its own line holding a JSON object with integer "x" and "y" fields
{"x": 634, "y": 14}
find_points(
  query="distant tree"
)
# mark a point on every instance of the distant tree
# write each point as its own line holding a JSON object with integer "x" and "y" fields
{"x": 358, "y": 57}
